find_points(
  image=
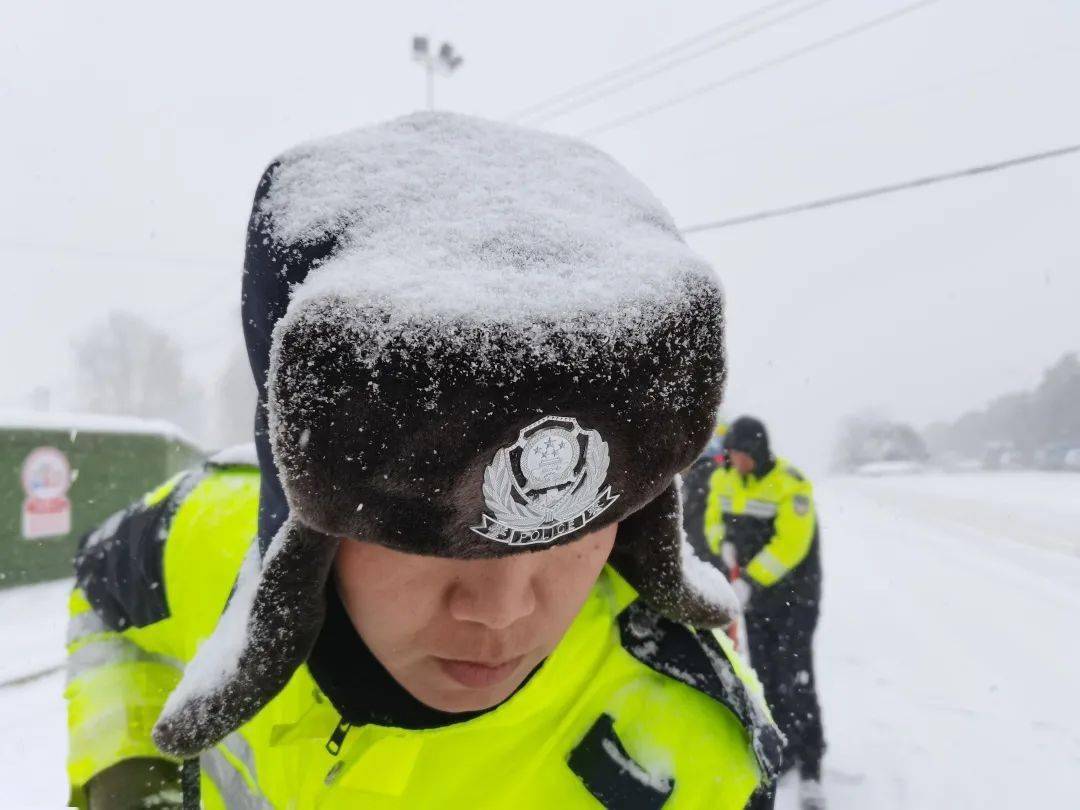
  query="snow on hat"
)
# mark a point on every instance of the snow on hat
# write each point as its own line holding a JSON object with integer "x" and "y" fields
{"x": 503, "y": 345}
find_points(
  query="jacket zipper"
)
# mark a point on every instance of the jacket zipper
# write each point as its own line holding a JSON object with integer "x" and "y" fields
{"x": 333, "y": 745}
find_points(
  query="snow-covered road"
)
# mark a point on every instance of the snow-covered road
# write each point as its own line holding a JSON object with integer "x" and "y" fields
{"x": 33, "y": 741}
{"x": 947, "y": 652}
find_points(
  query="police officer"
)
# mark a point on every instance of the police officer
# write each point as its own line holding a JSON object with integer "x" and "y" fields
{"x": 761, "y": 517}
{"x": 477, "y": 593}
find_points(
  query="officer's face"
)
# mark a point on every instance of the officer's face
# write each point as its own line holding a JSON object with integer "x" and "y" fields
{"x": 742, "y": 462}
{"x": 461, "y": 635}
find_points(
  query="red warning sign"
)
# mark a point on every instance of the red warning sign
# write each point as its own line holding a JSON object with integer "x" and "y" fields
{"x": 46, "y": 478}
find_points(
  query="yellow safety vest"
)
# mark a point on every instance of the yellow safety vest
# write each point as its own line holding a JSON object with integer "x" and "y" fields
{"x": 779, "y": 506}
{"x": 607, "y": 719}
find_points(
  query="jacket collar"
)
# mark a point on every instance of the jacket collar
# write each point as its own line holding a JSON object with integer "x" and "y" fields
{"x": 562, "y": 678}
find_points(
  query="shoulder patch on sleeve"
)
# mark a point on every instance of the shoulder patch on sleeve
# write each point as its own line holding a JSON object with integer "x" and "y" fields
{"x": 119, "y": 565}
{"x": 801, "y": 504}
{"x": 697, "y": 659}
{"x": 611, "y": 775}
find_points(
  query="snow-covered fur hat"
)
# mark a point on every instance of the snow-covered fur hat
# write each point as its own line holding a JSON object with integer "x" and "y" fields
{"x": 504, "y": 344}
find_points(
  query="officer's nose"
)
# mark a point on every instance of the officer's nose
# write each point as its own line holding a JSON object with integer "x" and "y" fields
{"x": 495, "y": 593}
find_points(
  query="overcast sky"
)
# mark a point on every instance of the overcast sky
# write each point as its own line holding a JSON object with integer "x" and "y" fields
{"x": 133, "y": 135}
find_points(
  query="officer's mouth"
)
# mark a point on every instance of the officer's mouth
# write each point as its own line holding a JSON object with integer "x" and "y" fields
{"x": 478, "y": 674}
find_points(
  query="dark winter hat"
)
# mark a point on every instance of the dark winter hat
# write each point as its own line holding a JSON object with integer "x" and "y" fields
{"x": 747, "y": 434}
{"x": 503, "y": 345}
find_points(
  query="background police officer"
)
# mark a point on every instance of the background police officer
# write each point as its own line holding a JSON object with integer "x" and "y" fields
{"x": 760, "y": 515}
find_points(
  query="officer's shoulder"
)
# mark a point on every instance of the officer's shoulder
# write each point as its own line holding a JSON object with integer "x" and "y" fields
{"x": 121, "y": 565}
{"x": 699, "y": 660}
{"x": 790, "y": 470}
{"x": 791, "y": 476}
{"x": 231, "y": 480}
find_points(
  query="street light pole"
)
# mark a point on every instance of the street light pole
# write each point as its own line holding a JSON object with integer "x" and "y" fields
{"x": 446, "y": 61}
{"x": 430, "y": 85}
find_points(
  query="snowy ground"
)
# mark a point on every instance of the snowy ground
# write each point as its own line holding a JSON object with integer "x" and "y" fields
{"x": 947, "y": 652}
{"x": 33, "y": 741}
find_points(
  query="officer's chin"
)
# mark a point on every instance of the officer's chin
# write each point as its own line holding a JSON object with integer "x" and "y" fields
{"x": 456, "y": 686}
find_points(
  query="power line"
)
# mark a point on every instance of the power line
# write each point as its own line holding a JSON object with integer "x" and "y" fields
{"x": 943, "y": 85}
{"x": 761, "y": 67}
{"x": 646, "y": 61}
{"x": 633, "y": 81}
{"x": 98, "y": 253}
{"x": 985, "y": 168}
{"x": 32, "y": 676}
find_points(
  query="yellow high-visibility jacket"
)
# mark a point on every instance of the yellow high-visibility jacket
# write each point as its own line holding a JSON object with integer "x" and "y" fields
{"x": 630, "y": 710}
{"x": 769, "y": 521}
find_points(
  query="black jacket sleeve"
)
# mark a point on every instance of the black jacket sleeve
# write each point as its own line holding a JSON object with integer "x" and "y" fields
{"x": 119, "y": 565}
{"x": 695, "y": 492}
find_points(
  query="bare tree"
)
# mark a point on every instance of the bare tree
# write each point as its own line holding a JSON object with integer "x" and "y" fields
{"x": 235, "y": 405}
{"x": 123, "y": 365}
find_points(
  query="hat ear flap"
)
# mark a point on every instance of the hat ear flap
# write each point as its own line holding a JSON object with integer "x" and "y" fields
{"x": 266, "y": 632}
{"x": 652, "y": 554}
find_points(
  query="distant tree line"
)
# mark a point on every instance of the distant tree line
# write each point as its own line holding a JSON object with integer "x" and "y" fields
{"x": 1036, "y": 427}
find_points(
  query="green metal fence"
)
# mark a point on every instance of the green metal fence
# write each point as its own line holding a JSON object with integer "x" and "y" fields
{"x": 62, "y": 475}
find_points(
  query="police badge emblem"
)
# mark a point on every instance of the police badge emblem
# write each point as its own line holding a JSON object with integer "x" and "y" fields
{"x": 546, "y": 484}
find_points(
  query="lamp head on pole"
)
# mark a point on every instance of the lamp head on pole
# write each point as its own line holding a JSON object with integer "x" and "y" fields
{"x": 420, "y": 49}
{"x": 448, "y": 59}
